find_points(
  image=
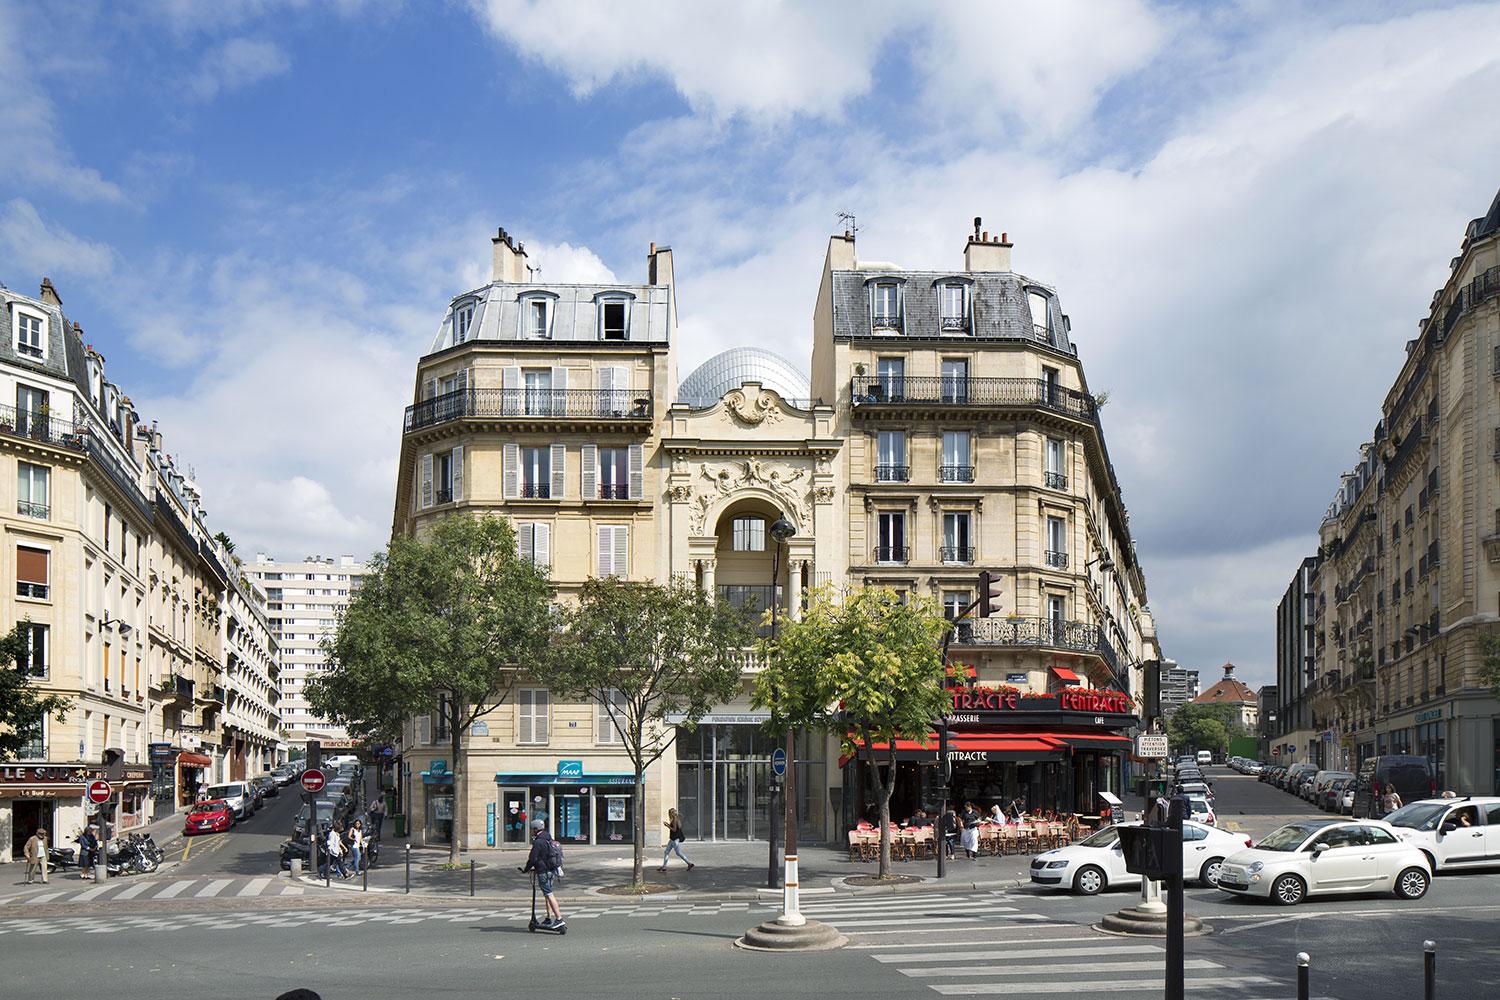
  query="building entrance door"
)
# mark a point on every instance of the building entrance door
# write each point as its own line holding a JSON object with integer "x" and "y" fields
{"x": 572, "y": 818}
{"x": 513, "y": 816}
{"x": 736, "y": 796}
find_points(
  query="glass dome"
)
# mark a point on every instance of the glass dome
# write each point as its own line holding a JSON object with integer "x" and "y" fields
{"x": 711, "y": 380}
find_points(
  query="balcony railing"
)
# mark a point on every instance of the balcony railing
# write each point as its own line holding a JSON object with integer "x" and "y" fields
{"x": 442, "y": 494}
{"x": 892, "y": 553}
{"x": 534, "y": 491}
{"x": 956, "y": 473}
{"x": 1057, "y": 560}
{"x": 37, "y": 426}
{"x": 953, "y": 324}
{"x": 1051, "y": 632}
{"x": 956, "y": 554}
{"x": 35, "y": 590}
{"x": 1055, "y": 480}
{"x": 950, "y": 391}
{"x": 40, "y": 511}
{"x": 885, "y": 323}
{"x": 614, "y": 491}
{"x": 892, "y": 473}
{"x": 498, "y": 404}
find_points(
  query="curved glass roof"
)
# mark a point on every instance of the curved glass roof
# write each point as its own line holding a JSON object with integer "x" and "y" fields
{"x": 711, "y": 380}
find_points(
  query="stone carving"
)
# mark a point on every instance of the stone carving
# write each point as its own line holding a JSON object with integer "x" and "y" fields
{"x": 823, "y": 494}
{"x": 682, "y": 494}
{"x": 725, "y": 480}
{"x": 752, "y": 410}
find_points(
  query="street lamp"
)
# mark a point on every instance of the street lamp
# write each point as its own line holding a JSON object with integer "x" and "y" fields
{"x": 782, "y": 530}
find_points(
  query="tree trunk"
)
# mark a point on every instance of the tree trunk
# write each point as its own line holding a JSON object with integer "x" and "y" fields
{"x": 460, "y": 785}
{"x": 885, "y": 784}
{"x": 638, "y": 795}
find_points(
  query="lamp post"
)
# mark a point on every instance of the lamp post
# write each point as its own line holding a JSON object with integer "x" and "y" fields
{"x": 781, "y": 530}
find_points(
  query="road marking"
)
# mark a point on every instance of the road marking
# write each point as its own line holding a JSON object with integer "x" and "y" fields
{"x": 134, "y": 890}
{"x": 174, "y": 889}
{"x": 904, "y": 923}
{"x": 255, "y": 887}
{"x": 1215, "y": 983}
{"x": 1021, "y": 949}
{"x": 94, "y": 893}
{"x": 961, "y": 944}
{"x": 1196, "y": 964}
{"x": 292, "y": 890}
{"x": 212, "y": 889}
{"x": 46, "y": 897}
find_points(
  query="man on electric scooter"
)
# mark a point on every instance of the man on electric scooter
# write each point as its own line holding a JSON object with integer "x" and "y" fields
{"x": 544, "y": 860}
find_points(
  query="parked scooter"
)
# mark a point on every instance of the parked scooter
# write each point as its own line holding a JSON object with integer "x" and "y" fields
{"x": 59, "y": 858}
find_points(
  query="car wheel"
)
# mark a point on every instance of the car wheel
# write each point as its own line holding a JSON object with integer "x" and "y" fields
{"x": 1209, "y": 874}
{"x": 1089, "y": 880}
{"x": 1412, "y": 883}
{"x": 1288, "y": 890}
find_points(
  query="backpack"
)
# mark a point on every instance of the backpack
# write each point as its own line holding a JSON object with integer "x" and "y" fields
{"x": 554, "y": 855}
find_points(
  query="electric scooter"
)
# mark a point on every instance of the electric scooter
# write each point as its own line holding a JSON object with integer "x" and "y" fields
{"x": 561, "y": 927}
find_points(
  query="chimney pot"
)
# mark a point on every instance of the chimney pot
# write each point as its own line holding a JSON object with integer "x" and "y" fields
{"x": 977, "y": 223}
{"x": 985, "y": 237}
{"x": 1005, "y": 237}
{"x": 653, "y": 247}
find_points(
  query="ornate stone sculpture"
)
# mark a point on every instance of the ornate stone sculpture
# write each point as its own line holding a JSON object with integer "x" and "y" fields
{"x": 752, "y": 410}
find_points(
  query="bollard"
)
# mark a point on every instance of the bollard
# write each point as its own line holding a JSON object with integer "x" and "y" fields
{"x": 328, "y": 871}
{"x": 1302, "y": 960}
{"x": 408, "y": 869}
{"x": 295, "y": 872}
{"x": 1429, "y": 970}
{"x": 471, "y": 878}
{"x": 364, "y": 885}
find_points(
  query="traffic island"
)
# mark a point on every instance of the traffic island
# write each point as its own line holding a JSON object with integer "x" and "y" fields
{"x": 810, "y": 935}
{"x": 1148, "y": 921}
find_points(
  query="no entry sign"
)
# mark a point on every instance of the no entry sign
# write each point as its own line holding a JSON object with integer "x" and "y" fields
{"x": 313, "y": 780}
{"x": 99, "y": 791}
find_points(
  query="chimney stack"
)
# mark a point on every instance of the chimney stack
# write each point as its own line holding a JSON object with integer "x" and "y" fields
{"x": 49, "y": 294}
{"x": 659, "y": 266}
{"x": 510, "y": 260}
{"x": 982, "y": 254}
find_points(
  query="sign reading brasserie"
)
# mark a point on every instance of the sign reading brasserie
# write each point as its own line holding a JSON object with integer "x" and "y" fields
{"x": 1070, "y": 700}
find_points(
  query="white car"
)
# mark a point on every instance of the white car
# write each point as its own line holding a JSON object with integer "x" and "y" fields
{"x": 1453, "y": 833}
{"x": 1317, "y": 856}
{"x": 238, "y": 794}
{"x": 1201, "y": 809}
{"x": 1098, "y": 862}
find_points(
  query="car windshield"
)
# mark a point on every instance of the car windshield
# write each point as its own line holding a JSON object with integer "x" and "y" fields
{"x": 1104, "y": 838}
{"x": 223, "y": 791}
{"x": 208, "y": 807}
{"x": 1418, "y": 815}
{"x": 1289, "y": 837}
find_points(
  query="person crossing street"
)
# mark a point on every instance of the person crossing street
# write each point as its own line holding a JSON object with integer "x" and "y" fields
{"x": 36, "y": 856}
{"x": 546, "y": 860}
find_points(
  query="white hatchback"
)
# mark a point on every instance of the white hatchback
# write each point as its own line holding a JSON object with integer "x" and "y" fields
{"x": 1318, "y": 856}
{"x": 1098, "y": 862}
{"x": 1453, "y": 833}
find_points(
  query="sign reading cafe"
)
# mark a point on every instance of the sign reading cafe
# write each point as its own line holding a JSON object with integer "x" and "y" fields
{"x": 1070, "y": 700}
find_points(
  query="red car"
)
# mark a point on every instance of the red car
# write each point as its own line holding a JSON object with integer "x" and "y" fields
{"x": 209, "y": 817}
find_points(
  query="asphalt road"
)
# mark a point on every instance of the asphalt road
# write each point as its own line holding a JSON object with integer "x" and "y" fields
{"x": 250, "y": 847}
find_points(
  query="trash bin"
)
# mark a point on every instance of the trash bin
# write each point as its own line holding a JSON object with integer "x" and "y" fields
{"x": 400, "y": 825}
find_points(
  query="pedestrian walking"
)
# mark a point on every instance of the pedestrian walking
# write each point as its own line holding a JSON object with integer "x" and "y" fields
{"x": 334, "y": 852}
{"x": 356, "y": 839}
{"x": 969, "y": 830}
{"x": 674, "y": 840}
{"x": 948, "y": 827}
{"x": 36, "y": 856}
{"x": 378, "y": 811}
{"x": 88, "y": 845}
{"x": 546, "y": 860}
{"x": 1390, "y": 801}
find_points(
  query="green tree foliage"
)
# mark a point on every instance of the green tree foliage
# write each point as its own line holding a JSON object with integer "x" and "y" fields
{"x": 1489, "y": 662}
{"x": 865, "y": 662}
{"x": 442, "y": 623}
{"x": 22, "y": 706}
{"x": 643, "y": 651}
{"x": 1204, "y": 727}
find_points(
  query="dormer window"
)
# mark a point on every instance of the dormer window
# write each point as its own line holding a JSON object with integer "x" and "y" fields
{"x": 30, "y": 328}
{"x": 885, "y": 306}
{"x": 463, "y": 318}
{"x": 953, "y": 307}
{"x": 537, "y": 310}
{"x": 614, "y": 317}
{"x": 1041, "y": 315}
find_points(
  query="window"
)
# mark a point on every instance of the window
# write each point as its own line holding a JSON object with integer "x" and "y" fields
{"x": 890, "y": 457}
{"x": 535, "y": 543}
{"x": 31, "y": 490}
{"x": 614, "y": 474}
{"x": 956, "y": 548}
{"x": 1056, "y": 613}
{"x": 955, "y": 381}
{"x": 749, "y": 534}
{"x": 957, "y": 466}
{"x": 537, "y": 315}
{"x": 614, "y": 319}
{"x": 1054, "y": 477}
{"x": 31, "y": 572}
{"x": 36, "y": 658}
{"x": 607, "y": 725}
{"x": 441, "y": 732}
{"x": 29, "y": 335}
{"x": 533, "y": 716}
{"x": 953, "y": 308}
{"x": 890, "y": 379}
{"x": 29, "y": 407}
{"x": 537, "y": 400}
{"x": 442, "y": 474}
{"x": 1041, "y": 321}
{"x": 885, "y": 306}
{"x": 463, "y": 317}
{"x": 954, "y": 602}
{"x": 614, "y": 550}
{"x": 1057, "y": 543}
{"x": 1050, "y": 387}
{"x": 35, "y": 747}
{"x": 890, "y": 535}
{"x": 536, "y": 473}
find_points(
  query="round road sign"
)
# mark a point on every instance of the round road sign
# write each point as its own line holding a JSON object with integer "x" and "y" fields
{"x": 99, "y": 791}
{"x": 778, "y": 762}
{"x": 312, "y": 780}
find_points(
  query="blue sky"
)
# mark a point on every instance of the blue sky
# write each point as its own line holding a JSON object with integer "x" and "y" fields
{"x": 258, "y": 210}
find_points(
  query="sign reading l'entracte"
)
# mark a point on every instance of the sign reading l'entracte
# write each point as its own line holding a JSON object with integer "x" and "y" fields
{"x": 1070, "y": 700}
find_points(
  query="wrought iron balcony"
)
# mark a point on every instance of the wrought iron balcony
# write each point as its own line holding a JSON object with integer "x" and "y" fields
{"x": 1049, "y": 632}
{"x": 443, "y": 494}
{"x": 534, "y": 491}
{"x": 956, "y": 554}
{"x": 892, "y": 473}
{"x": 876, "y": 390}
{"x": 953, "y": 324}
{"x": 1057, "y": 560}
{"x": 886, "y": 323}
{"x": 1055, "y": 480}
{"x": 36, "y": 590}
{"x": 522, "y": 404}
{"x": 892, "y": 553}
{"x": 956, "y": 473}
{"x": 614, "y": 491}
{"x": 34, "y": 425}
{"x": 26, "y": 508}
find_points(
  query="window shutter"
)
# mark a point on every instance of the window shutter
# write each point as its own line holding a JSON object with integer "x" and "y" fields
{"x": 590, "y": 465}
{"x": 510, "y": 390}
{"x": 31, "y": 565}
{"x": 560, "y": 391}
{"x": 622, "y": 544}
{"x": 559, "y": 470}
{"x": 525, "y": 530}
{"x": 510, "y": 471}
{"x": 461, "y": 378}
{"x": 637, "y": 471}
{"x": 427, "y": 480}
{"x": 456, "y": 464}
{"x": 429, "y": 388}
{"x": 542, "y": 718}
{"x": 606, "y": 550}
{"x": 424, "y": 730}
{"x": 607, "y": 397}
{"x": 622, "y": 388}
{"x": 523, "y": 717}
{"x": 543, "y": 545}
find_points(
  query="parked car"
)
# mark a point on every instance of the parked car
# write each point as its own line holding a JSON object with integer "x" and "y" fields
{"x": 209, "y": 817}
{"x": 1098, "y": 861}
{"x": 327, "y": 812}
{"x": 1254, "y": 767}
{"x": 1320, "y": 782}
{"x": 1346, "y": 798}
{"x": 1205, "y": 758}
{"x": 1410, "y": 774}
{"x": 1201, "y": 809}
{"x": 266, "y": 785}
{"x": 1318, "y": 856}
{"x": 238, "y": 794}
{"x": 1198, "y": 788}
{"x": 1329, "y": 797}
{"x": 1453, "y": 833}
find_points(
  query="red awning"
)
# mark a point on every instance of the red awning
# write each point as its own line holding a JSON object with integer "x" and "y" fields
{"x": 1064, "y": 674}
{"x": 193, "y": 760}
{"x": 1080, "y": 738}
{"x": 996, "y": 745}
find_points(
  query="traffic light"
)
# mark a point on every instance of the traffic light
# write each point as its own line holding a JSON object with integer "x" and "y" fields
{"x": 314, "y": 755}
{"x": 991, "y": 589}
{"x": 1151, "y": 703}
{"x": 114, "y": 765}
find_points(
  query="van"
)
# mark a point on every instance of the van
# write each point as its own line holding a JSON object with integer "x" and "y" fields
{"x": 1410, "y": 774}
{"x": 1204, "y": 757}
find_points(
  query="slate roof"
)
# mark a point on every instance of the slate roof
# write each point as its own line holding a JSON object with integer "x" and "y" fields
{"x": 1000, "y": 310}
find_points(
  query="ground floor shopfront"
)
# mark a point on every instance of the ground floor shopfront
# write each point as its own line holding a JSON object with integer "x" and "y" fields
{"x": 52, "y": 797}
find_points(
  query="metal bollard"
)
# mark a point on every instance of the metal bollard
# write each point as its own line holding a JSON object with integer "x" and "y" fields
{"x": 365, "y": 878}
{"x": 471, "y": 878}
{"x": 408, "y": 869}
{"x": 1302, "y": 960}
{"x": 1429, "y": 970}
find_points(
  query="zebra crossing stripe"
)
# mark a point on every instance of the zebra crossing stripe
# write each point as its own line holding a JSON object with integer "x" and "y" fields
{"x": 212, "y": 889}
{"x": 1196, "y": 964}
{"x": 94, "y": 893}
{"x": 133, "y": 891}
{"x": 1021, "y": 949}
{"x": 1217, "y": 984}
{"x": 255, "y": 887}
{"x": 175, "y": 888}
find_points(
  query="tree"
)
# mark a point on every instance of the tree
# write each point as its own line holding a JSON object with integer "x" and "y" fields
{"x": 22, "y": 707}
{"x": 1204, "y": 727}
{"x": 869, "y": 663}
{"x": 1489, "y": 662}
{"x": 642, "y": 651}
{"x": 441, "y": 623}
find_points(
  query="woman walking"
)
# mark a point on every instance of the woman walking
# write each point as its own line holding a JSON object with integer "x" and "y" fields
{"x": 969, "y": 830}
{"x": 674, "y": 840}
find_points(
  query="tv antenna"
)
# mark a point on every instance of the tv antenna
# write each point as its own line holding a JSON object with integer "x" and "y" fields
{"x": 851, "y": 228}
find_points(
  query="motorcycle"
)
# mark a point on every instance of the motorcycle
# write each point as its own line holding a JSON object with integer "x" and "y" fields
{"x": 59, "y": 858}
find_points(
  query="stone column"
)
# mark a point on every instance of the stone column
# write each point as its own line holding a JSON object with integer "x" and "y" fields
{"x": 794, "y": 587}
{"x": 708, "y": 578}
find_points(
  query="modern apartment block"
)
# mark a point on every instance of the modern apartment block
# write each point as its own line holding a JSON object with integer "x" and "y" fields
{"x": 1179, "y": 685}
{"x": 945, "y": 428}
{"x": 1299, "y": 642}
{"x": 1410, "y": 551}
{"x": 252, "y": 674}
{"x": 110, "y": 563}
{"x": 303, "y": 600}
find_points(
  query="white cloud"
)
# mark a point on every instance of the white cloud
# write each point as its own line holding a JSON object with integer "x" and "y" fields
{"x": 563, "y": 262}
{"x": 237, "y": 63}
{"x": 34, "y": 247}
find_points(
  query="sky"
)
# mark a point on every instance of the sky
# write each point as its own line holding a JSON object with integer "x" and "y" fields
{"x": 258, "y": 210}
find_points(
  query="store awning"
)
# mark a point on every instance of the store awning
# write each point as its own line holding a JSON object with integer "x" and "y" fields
{"x": 1064, "y": 674}
{"x": 970, "y": 746}
{"x": 194, "y": 760}
{"x": 1086, "y": 739}
{"x": 544, "y": 778}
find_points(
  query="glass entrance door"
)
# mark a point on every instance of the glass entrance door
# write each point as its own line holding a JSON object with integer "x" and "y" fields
{"x": 572, "y": 819}
{"x": 513, "y": 816}
{"x": 735, "y": 798}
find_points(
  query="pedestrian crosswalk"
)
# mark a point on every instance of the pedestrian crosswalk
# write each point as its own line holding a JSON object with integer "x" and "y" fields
{"x": 143, "y": 890}
{"x": 898, "y": 913}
